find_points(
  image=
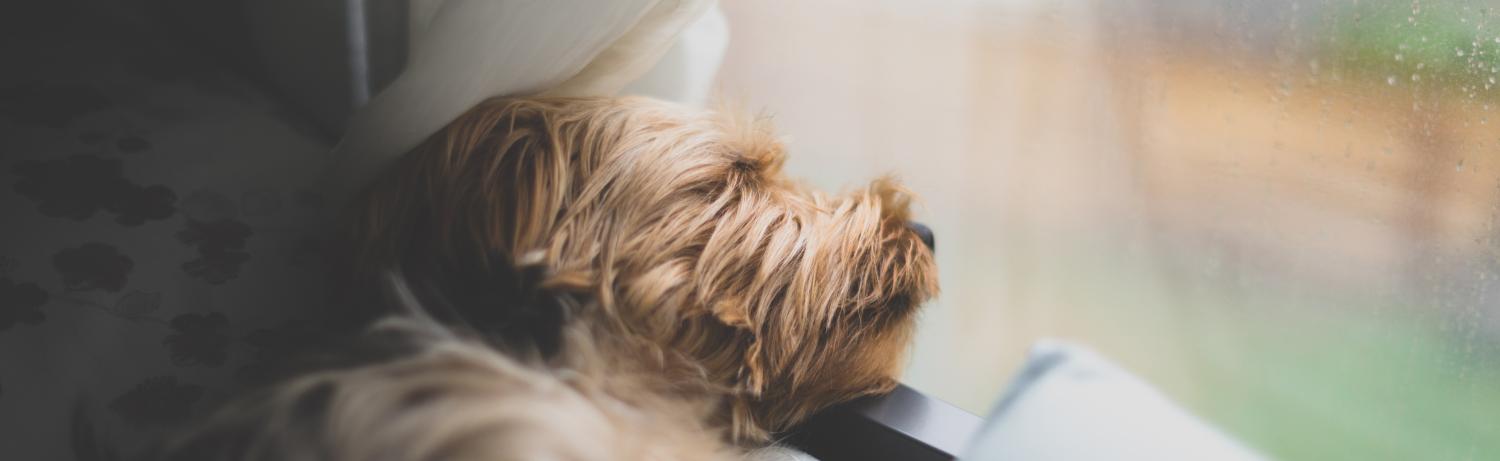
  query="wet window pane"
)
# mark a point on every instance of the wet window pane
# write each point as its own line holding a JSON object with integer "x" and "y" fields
{"x": 1281, "y": 213}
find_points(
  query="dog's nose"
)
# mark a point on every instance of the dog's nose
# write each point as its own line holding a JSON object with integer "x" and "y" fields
{"x": 924, "y": 233}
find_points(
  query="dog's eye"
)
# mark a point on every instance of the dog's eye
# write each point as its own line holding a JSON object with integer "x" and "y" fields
{"x": 925, "y": 233}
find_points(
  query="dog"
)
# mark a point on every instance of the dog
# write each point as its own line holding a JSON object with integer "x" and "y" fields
{"x": 680, "y": 229}
{"x": 412, "y": 388}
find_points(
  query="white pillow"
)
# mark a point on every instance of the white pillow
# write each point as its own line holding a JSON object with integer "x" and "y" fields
{"x": 470, "y": 50}
{"x": 778, "y": 453}
{"x": 1068, "y": 403}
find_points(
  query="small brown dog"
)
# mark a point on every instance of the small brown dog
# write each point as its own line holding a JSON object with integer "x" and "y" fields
{"x": 679, "y": 229}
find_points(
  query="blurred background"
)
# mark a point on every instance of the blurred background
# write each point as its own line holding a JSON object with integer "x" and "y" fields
{"x": 1281, "y": 213}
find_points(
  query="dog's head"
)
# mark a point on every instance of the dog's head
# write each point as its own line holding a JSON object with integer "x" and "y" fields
{"x": 682, "y": 228}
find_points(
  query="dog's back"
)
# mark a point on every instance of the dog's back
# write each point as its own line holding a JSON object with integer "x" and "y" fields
{"x": 428, "y": 394}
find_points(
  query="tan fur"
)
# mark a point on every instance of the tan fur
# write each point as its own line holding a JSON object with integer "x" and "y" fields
{"x": 442, "y": 397}
{"x": 681, "y": 228}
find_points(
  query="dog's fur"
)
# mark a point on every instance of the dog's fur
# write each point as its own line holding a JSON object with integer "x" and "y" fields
{"x": 679, "y": 227}
{"x": 411, "y": 389}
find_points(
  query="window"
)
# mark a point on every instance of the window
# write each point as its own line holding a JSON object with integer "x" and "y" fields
{"x": 1281, "y": 213}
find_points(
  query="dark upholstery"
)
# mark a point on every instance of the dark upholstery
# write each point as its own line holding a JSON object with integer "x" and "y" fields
{"x": 158, "y": 227}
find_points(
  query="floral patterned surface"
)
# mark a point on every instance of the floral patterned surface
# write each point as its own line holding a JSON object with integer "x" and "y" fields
{"x": 158, "y": 229}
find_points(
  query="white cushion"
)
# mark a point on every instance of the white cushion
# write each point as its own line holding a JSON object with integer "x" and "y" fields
{"x": 1069, "y": 403}
{"x": 778, "y": 453}
{"x": 470, "y": 50}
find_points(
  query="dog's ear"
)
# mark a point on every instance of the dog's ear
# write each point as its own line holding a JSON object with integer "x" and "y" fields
{"x": 734, "y": 313}
{"x": 745, "y": 340}
{"x": 751, "y": 382}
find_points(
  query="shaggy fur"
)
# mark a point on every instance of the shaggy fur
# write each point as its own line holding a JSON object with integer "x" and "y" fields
{"x": 681, "y": 231}
{"x": 414, "y": 390}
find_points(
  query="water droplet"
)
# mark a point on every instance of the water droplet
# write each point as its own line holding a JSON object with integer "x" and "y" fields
{"x": 1421, "y": 65}
{"x": 1459, "y": 166}
{"x": 1458, "y": 52}
{"x": 1400, "y": 57}
{"x": 1416, "y": 77}
{"x": 1391, "y": 80}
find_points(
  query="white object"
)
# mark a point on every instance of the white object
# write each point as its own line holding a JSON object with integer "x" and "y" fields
{"x": 1070, "y": 404}
{"x": 685, "y": 74}
{"x": 778, "y": 453}
{"x": 464, "y": 51}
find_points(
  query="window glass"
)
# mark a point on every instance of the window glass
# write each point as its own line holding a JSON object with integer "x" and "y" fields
{"x": 1281, "y": 213}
